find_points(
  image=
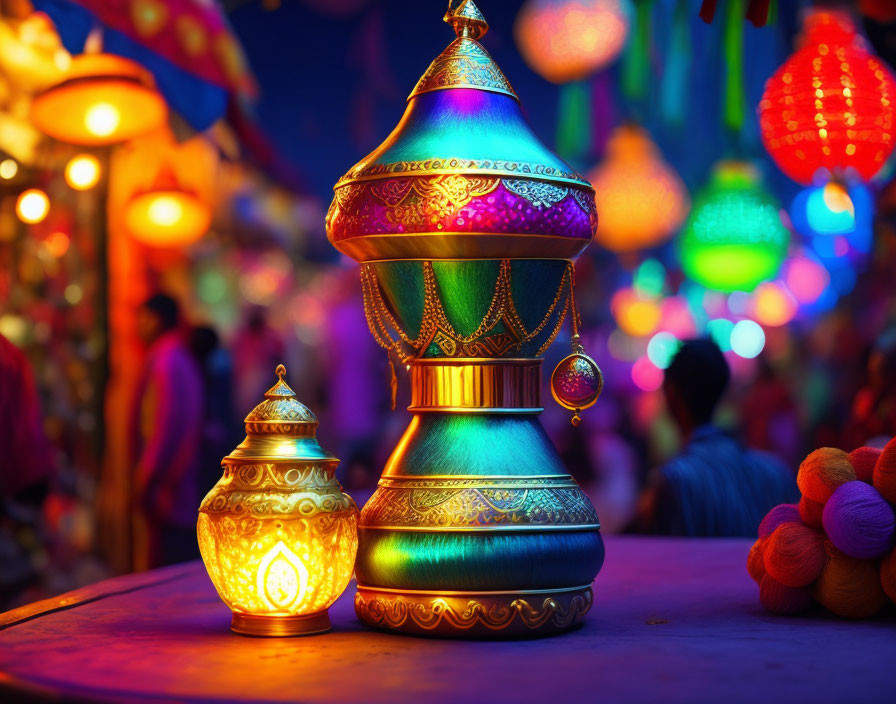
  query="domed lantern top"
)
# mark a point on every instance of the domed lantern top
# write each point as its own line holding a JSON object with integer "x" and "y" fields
{"x": 462, "y": 176}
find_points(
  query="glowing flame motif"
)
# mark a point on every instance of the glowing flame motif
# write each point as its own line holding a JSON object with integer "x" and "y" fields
{"x": 282, "y": 578}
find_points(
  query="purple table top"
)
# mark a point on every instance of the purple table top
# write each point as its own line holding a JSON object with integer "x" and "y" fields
{"x": 674, "y": 620}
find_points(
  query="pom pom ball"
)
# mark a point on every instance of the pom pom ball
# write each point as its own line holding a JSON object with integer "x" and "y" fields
{"x": 811, "y": 513}
{"x": 888, "y": 575}
{"x": 781, "y": 599}
{"x": 794, "y": 555}
{"x": 755, "y": 561}
{"x": 782, "y": 513}
{"x": 858, "y": 521}
{"x": 885, "y": 472}
{"x": 863, "y": 460}
{"x": 849, "y": 587}
{"x": 824, "y": 470}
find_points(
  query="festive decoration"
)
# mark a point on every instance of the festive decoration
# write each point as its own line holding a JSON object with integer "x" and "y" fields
{"x": 465, "y": 226}
{"x": 32, "y": 206}
{"x": 567, "y": 40}
{"x": 636, "y": 316}
{"x": 82, "y": 172}
{"x": 640, "y": 198}
{"x": 104, "y": 99}
{"x": 171, "y": 187}
{"x": 828, "y": 548}
{"x": 277, "y": 534}
{"x": 734, "y": 238}
{"x": 830, "y": 105}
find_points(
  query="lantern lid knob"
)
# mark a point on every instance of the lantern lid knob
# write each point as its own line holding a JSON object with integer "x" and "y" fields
{"x": 466, "y": 19}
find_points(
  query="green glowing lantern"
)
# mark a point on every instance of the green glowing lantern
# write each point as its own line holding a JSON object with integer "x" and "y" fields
{"x": 734, "y": 238}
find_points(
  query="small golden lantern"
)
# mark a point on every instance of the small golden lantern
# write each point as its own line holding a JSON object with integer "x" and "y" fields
{"x": 104, "y": 99}
{"x": 277, "y": 534}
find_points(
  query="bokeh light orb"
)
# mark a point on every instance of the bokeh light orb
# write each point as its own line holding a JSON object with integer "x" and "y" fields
{"x": 830, "y": 105}
{"x": 719, "y": 330}
{"x": 806, "y": 278}
{"x": 8, "y": 169}
{"x": 82, "y": 172}
{"x": 734, "y": 238}
{"x": 635, "y": 315}
{"x": 662, "y": 348}
{"x": 747, "y": 339}
{"x": 32, "y": 206}
{"x": 567, "y": 40}
{"x": 646, "y": 375}
{"x": 773, "y": 305}
{"x": 640, "y": 198}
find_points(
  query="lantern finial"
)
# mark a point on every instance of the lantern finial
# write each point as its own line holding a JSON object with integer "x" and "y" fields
{"x": 466, "y": 19}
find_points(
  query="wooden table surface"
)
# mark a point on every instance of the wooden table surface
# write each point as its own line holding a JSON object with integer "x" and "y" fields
{"x": 674, "y": 620}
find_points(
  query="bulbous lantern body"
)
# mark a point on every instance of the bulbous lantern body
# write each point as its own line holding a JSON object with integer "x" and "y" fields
{"x": 277, "y": 534}
{"x": 466, "y": 226}
{"x": 830, "y": 106}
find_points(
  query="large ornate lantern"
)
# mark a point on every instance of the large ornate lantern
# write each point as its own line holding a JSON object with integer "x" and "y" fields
{"x": 830, "y": 105}
{"x": 466, "y": 227}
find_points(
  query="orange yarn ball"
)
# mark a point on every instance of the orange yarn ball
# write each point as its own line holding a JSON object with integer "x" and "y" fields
{"x": 755, "y": 561}
{"x": 885, "y": 472}
{"x": 849, "y": 587}
{"x": 794, "y": 555}
{"x": 888, "y": 575}
{"x": 863, "y": 460}
{"x": 823, "y": 471}
{"x": 781, "y": 599}
{"x": 811, "y": 513}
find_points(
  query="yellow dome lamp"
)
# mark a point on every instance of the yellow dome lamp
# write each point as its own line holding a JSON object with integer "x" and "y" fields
{"x": 104, "y": 99}
{"x": 167, "y": 215}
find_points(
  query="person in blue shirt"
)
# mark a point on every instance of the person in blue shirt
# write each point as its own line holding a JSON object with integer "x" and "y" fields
{"x": 715, "y": 486}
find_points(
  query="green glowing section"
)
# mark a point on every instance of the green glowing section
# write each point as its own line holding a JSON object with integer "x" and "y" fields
{"x": 731, "y": 267}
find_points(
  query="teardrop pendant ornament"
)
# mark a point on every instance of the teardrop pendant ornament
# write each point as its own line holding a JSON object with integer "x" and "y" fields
{"x": 577, "y": 381}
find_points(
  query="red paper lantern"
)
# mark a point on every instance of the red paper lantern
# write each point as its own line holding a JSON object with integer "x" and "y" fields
{"x": 831, "y": 105}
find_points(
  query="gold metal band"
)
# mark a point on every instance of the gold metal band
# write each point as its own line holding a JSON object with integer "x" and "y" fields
{"x": 280, "y": 626}
{"x": 465, "y": 385}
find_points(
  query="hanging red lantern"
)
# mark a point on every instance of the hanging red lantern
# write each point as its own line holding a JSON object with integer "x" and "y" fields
{"x": 831, "y": 105}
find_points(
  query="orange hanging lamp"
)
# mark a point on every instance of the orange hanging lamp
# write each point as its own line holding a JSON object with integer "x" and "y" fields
{"x": 830, "y": 105}
{"x": 104, "y": 99}
{"x": 167, "y": 214}
{"x": 640, "y": 198}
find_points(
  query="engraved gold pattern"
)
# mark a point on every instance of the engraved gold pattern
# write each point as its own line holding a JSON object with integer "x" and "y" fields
{"x": 464, "y": 64}
{"x": 452, "y": 165}
{"x": 447, "y": 613}
{"x": 441, "y": 507}
{"x": 436, "y": 328}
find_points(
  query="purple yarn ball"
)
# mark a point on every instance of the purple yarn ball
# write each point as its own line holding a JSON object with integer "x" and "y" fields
{"x": 782, "y": 513}
{"x": 859, "y": 521}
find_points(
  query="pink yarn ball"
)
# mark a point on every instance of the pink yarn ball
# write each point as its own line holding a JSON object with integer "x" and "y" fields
{"x": 781, "y": 599}
{"x": 782, "y": 513}
{"x": 858, "y": 521}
